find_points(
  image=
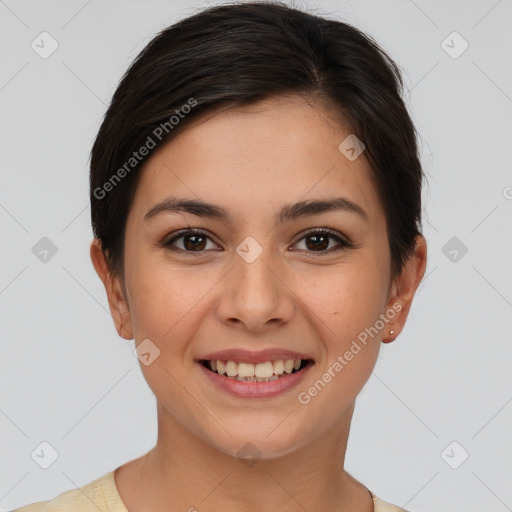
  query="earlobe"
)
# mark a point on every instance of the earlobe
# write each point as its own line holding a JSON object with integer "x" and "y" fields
{"x": 116, "y": 300}
{"x": 124, "y": 321}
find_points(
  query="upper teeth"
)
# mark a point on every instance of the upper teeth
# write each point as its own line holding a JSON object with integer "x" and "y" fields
{"x": 262, "y": 370}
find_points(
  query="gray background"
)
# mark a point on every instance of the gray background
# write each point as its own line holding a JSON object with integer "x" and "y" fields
{"x": 68, "y": 379}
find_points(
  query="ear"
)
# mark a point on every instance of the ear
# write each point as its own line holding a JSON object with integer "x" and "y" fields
{"x": 404, "y": 287}
{"x": 114, "y": 287}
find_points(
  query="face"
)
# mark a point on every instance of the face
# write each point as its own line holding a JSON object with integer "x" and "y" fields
{"x": 261, "y": 277}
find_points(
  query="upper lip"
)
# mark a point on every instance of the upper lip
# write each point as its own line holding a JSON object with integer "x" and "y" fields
{"x": 259, "y": 356}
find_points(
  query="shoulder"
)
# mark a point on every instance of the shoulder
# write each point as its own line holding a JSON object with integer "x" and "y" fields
{"x": 100, "y": 494}
{"x": 384, "y": 506}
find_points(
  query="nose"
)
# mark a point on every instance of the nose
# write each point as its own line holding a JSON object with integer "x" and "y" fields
{"x": 255, "y": 296}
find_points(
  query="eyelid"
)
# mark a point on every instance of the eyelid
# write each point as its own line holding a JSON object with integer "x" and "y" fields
{"x": 168, "y": 241}
{"x": 343, "y": 242}
{"x": 325, "y": 231}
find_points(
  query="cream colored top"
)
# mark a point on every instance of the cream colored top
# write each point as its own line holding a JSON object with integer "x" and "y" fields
{"x": 101, "y": 495}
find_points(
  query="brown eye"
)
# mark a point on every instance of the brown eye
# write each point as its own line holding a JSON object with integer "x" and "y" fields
{"x": 318, "y": 240}
{"x": 193, "y": 240}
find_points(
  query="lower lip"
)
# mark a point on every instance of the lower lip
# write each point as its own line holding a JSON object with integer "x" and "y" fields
{"x": 256, "y": 389}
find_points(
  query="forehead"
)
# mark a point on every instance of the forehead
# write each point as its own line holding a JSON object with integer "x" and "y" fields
{"x": 251, "y": 159}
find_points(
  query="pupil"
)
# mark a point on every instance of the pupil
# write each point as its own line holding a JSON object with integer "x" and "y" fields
{"x": 322, "y": 244}
{"x": 194, "y": 245}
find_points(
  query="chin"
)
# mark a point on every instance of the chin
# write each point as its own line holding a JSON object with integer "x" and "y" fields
{"x": 254, "y": 445}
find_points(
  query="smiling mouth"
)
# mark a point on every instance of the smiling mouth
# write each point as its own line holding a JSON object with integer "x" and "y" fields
{"x": 261, "y": 372}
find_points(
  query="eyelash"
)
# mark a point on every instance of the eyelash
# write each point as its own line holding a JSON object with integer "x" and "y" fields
{"x": 343, "y": 244}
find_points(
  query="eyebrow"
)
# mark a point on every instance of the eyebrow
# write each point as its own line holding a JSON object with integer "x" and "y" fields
{"x": 288, "y": 212}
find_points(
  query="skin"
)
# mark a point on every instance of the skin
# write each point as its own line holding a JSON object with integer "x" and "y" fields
{"x": 252, "y": 161}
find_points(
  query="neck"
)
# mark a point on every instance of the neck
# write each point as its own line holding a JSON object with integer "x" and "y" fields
{"x": 183, "y": 472}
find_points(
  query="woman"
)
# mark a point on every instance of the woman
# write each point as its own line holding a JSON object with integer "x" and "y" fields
{"x": 256, "y": 206}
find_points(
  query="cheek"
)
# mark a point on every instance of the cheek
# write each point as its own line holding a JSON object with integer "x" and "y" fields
{"x": 346, "y": 299}
{"x": 167, "y": 300}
